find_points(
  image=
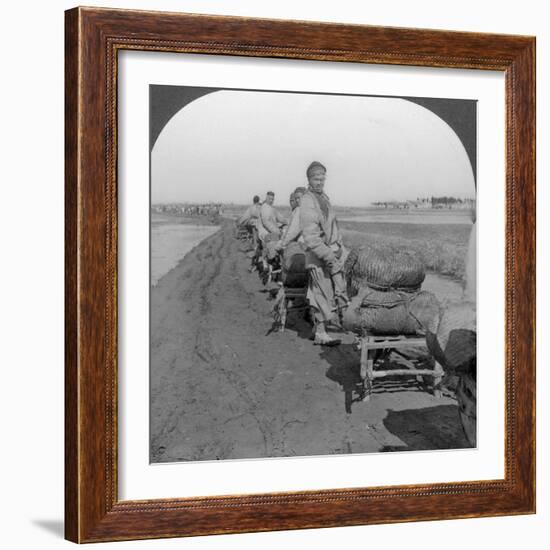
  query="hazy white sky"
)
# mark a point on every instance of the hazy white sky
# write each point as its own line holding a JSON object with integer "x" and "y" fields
{"x": 230, "y": 145}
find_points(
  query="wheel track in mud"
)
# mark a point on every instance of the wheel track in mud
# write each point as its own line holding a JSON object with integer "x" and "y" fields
{"x": 233, "y": 373}
{"x": 169, "y": 421}
{"x": 226, "y": 272}
{"x": 229, "y": 366}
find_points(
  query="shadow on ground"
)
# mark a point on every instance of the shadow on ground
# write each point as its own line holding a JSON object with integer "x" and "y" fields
{"x": 429, "y": 428}
{"x": 344, "y": 370}
{"x": 53, "y": 526}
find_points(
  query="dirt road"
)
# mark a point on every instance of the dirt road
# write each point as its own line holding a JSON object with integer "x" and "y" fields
{"x": 224, "y": 387}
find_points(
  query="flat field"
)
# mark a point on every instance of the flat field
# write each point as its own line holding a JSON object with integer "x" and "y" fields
{"x": 442, "y": 247}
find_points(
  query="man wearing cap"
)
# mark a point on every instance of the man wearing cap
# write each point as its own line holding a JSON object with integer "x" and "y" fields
{"x": 251, "y": 218}
{"x": 270, "y": 226}
{"x": 251, "y": 214}
{"x": 293, "y": 231}
{"x": 270, "y": 218}
{"x": 325, "y": 254}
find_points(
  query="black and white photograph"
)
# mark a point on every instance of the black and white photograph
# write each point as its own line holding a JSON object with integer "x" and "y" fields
{"x": 312, "y": 274}
{"x": 274, "y": 275}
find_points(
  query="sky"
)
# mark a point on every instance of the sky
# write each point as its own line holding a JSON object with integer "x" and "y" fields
{"x": 230, "y": 145}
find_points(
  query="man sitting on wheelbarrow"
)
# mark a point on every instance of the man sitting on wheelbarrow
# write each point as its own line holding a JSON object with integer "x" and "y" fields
{"x": 293, "y": 231}
{"x": 325, "y": 254}
{"x": 271, "y": 223}
{"x": 270, "y": 219}
{"x": 249, "y": 220}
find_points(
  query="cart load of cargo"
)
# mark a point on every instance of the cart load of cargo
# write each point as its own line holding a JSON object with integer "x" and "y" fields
{"x": 385, "y": 287}
{"x": 389, "y": 311}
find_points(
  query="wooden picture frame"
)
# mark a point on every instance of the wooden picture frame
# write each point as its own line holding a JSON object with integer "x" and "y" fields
{"x": 93, "y": 511}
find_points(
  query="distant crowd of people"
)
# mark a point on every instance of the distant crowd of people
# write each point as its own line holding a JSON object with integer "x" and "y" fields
{"x": 208, "y": 209}
{"x": 313, "y": 224}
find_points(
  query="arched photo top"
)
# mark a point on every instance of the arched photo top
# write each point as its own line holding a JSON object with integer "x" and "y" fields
{"x": 227, "y": 145}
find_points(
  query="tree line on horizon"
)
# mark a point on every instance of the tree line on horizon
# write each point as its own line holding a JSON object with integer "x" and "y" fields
{"x": 427, "y": 202}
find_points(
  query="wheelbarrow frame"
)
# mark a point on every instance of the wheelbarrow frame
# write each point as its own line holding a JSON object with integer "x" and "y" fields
{"x": 369, "y": 344}
{"x": 283, "y": 296}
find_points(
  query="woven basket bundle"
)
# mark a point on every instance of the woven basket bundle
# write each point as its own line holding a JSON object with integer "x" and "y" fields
{"x": 383, "y": 269}
{"x": 391, "y": 312}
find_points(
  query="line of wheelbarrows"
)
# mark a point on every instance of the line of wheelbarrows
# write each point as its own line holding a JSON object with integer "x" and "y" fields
{"x": 388, "y": 312}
